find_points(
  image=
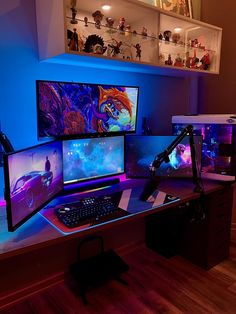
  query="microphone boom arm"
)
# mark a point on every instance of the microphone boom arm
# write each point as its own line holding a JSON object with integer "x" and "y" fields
{"x": 164, "y": 156}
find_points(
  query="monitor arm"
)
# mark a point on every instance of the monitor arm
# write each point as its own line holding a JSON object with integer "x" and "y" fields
{"x": 154, "y": 181}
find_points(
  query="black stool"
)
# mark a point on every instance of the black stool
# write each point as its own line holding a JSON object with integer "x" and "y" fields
{"x": 97, "y": 269}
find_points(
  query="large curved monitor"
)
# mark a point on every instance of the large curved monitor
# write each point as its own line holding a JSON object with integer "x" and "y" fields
{"x": 33, "y": 176}
{"x": 68, "y": 108}
{"x": 92, "y": 158}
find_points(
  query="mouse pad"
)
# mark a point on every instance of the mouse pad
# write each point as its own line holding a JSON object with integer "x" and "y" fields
{"x": 128, "y": 203}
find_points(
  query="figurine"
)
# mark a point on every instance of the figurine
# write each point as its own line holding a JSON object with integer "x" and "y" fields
{"x": 73, "y": 19}
{"x": 175, "y": 38}
{"x": 194, "y": 43}
{"x": 194, "y": 61}
{"x": 110, "y": 22}
{"x": 110, "y": 25}
{"x": 74, "y": 11}
{"x": 144, "y": 31}
{"x": 99, "y": 49}
{"x": 169, "y": 61}
{"x": 80, "y": 43}
{"x": 127, "y": 30}
{"x": 167, "y": 35}
{"x": 121, "y": 25}
{"x": 138, "y": 51}
{"x": 205, "y": 60}
{"x": 114, "y": 47}
{"x": 178, "y": 61}
{"x": 97, "y": 16}
{"x": 74, "y": 41}
{"x": 160, "y": 36}
{"x": 94, "y": 44}
{"x": 85, "y": 21}
{"x": 187, "y": 60}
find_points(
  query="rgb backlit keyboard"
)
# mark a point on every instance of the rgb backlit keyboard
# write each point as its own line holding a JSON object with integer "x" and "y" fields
{"x": 92, "y": 210}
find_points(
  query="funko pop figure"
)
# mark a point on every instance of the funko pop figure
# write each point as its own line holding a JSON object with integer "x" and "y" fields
{"x": 121, "y": 25}
{"x": 97, "y": 16}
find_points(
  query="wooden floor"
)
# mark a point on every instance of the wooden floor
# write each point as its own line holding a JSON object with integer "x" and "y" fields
{"x": 155, "y": 285}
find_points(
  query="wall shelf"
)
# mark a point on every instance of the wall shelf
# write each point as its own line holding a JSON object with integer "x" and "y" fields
{"x": 145, "y": 41}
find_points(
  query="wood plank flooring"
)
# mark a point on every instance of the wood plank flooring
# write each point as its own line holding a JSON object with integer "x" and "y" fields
{"x": 155, "y": 285}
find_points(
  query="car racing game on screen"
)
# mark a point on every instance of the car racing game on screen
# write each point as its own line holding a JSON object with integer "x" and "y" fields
{"x": 32, "y": 177}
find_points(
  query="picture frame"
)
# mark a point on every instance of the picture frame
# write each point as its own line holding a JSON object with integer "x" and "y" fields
{"x": 182, "y": 7}
{"x": 155, "y": 3}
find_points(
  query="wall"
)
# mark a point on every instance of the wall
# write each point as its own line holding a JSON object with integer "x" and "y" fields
{"x": 218, "y": 93}
{"x": 160, "y": 97}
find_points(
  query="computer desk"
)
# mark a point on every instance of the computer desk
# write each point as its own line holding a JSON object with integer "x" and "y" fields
{"x": 203, "y": 240}
{"x": 38, "y": 255}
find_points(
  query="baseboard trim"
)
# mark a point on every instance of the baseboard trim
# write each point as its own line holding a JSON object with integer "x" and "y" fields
{"x": 12, "y": 297}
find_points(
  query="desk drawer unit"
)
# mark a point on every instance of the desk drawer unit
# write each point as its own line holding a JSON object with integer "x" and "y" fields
{"x": 202, "y": 240}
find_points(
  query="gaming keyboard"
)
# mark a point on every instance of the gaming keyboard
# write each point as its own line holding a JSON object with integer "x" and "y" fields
{"x": 90, "y": 210}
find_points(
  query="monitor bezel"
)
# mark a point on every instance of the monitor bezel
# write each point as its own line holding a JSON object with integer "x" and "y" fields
{"x": 7, "y": 190}
{"x": 76, "y": 182}
{"x": 84, "y": 135}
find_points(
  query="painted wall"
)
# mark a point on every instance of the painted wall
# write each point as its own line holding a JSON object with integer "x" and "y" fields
{"x": 218, "y": 93}
{"x": 160, "y": 97}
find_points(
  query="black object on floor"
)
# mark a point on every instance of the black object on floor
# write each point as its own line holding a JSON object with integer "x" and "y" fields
{"x": 93, "y": 271}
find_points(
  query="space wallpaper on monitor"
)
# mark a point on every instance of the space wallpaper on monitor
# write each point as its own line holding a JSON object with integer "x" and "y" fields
{"x": 35, "y": 176}
{"x": 92, "y": 158}
{"x": 66, "y": 108}
{"x": 141, "y": 151}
